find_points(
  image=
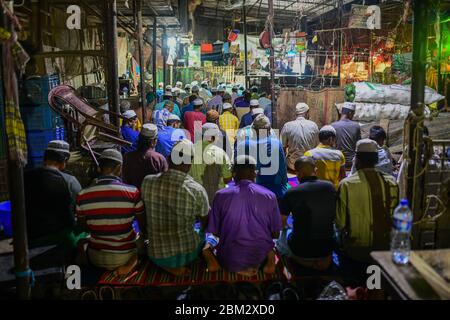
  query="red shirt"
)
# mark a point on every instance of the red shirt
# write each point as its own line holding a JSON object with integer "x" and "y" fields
{"x": 190, "y": 118}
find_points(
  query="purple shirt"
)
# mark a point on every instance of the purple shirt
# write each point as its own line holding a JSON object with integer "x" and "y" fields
{"x": 244, "y": 216}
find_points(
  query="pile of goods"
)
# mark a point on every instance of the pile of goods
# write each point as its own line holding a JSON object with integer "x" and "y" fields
{"x": 378, "y": 101}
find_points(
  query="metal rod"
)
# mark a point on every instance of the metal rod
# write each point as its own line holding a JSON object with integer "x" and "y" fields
{"x": 154, "y": 55}
{"x": 244, "y": 15}
{"x": 164, "y": 52}
{"x": 111, "y": 38}
{"x": 415, "y": 123}
{"x": 138, "y": 5}
{"x": 272, "y": 63}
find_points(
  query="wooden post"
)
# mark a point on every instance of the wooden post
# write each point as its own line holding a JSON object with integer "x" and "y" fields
{"x": 138, "y": 6}
{"x": 112, "y": 64}
{"x": 164, "y": 53}
{"x": 272, "y": 64}
{"x": 244, "y": 15}
{"x": 415, "y": 123}
{"x": 154, "y": 56}
{"x": 16, "y": 190}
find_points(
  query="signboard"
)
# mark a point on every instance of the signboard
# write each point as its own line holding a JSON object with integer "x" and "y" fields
{"x": 365, "y": 17}
{"x": 194, "y": 56}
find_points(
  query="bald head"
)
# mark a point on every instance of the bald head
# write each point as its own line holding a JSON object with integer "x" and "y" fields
{"x": 305, "y": 167}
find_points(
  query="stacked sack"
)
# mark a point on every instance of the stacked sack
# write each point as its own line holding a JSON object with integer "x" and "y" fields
{"x": 378, "y": 101}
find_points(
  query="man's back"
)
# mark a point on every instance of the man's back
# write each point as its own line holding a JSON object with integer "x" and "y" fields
{"x": 190, "y": 120}
{"x": 366, "y": 201}
{"x": 271, "y": 162}
{"x": 138, "y": 164}
{"x": 299, "y": 136}
{"x": 110, "y": 207}
{"x": 329, "y": 162}
{"x": 313, "y": 206}
{"x": 214, "y": 167}
{"x": 49, "y": 201}
{"x": 172, "y": 200}
{"x": 130, "y": 135}
{"x": 348, "y": 133}
{"x": 246, "y": 120}
{"x": 167, "y": 137}
{"x": 228, "y": 121}
{"x": 244, "y": 216}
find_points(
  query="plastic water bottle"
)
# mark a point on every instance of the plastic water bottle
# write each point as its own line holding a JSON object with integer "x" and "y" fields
{"x": 401, "y": 232}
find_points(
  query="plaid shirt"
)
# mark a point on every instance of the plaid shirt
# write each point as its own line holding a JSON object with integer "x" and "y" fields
{"x": 173, "y": 201}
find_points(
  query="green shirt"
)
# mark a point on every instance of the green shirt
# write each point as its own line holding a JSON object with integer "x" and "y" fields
{"x": 211, "y": 166}
{"x": 366, "y": 201}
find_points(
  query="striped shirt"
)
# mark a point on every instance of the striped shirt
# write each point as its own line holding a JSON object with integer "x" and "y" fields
{"x": 329, "y": 162}
{"x": 109, "y": 207}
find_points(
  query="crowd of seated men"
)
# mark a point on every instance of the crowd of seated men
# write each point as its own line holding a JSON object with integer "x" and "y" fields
{"x": 181, "y": 173}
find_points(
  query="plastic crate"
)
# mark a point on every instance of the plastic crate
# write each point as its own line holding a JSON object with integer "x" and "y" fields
{"x": 34, "y": 91}
{"x": 37, "y": 141}
{"x": 35, "y": 162}
{"x": 5, "y": 218}
{"x": 40, "y": 118}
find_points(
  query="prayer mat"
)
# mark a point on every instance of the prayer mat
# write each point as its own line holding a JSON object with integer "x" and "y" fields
{"x": 150, "y": 274}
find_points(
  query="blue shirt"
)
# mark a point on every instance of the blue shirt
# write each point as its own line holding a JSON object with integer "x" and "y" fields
{"x": 176, "y": 109}
{"x": 246, "y": 120}
{"x": 167, "y": 137}
{"x": 186, "y": 108}
{"x": 271, "y": 162}
{"x": 159, "y": 95}
{"x": 241, "y": 102}
{"x": 130, "y": 135}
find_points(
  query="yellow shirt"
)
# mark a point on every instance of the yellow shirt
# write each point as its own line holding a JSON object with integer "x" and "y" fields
{"x": 329, "y": 162}
{"x": 230, "y": 124}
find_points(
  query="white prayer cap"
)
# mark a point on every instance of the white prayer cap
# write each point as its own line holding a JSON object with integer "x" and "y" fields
{"x": 257, "y": 111}
{"x": 261, "y": 122}
{"x": 168, "y": 93}
{"x": 173, "y": 117}
{"x": 328, "y": 128}
{"x": 301, "y": 108}
{"x": 179, "y": 84}
{"x": 350, "y": 106}
{"x": 211, "y": 128}
{"x": 198, "y": 102}
{"x": 183, "y": 147}
{"x": 59, "y": 146}
{"x": 161, "y": 84}
{"x": 227, "y": 106}
{"x": 366, "y": 145}
{"x": 129, "y": 114}
{"x": 194, "y": 83}
{"x": 112, "y": 154}
{"x": 195, "y": 88}
{"x": 168, "y": 87}
{"x": 254, "y": 103}
{"x": 149, "y": 130}
{"x": 221, "y": 88}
